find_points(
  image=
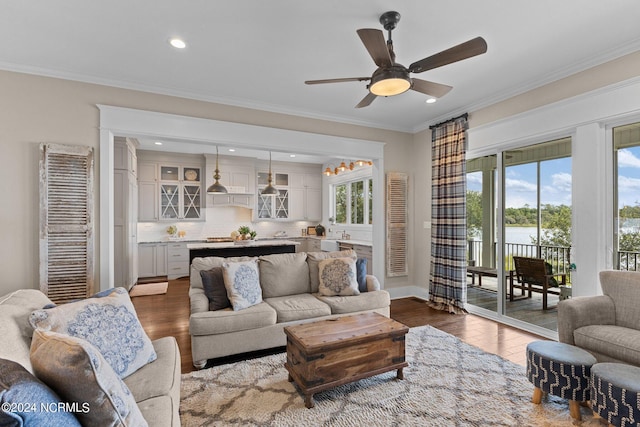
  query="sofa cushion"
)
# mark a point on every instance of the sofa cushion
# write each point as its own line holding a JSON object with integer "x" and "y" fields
{"x": 314, "y": 258}
{"x": 160, "y": 377}
{"x": 242, "y": 281}
{"x": 361, "y": 274}
{"x": 614, "y": 341}
{"x": 19, "y": 388}
{"x": 214, "y": 289}
{"x": 226, "y": 320}
{"x": 338, "y": 277}
{"x": 110, "y": 323}
{"x": 207, "y": 263}
{"x": 15, "y": 329}
{"x": 76, "y": 370}
{"x": 284, "y": 274}
{"x": 298, "y": 307}
{"x": 351, "y": 304}
{"x": 156, "y": 386}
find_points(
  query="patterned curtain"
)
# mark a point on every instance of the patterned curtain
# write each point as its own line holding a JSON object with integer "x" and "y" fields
{"x": 448, "y": 283}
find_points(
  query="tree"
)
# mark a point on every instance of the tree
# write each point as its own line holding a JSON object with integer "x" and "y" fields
{"x": 556, "y": 226}
{"x": 474, "y": 214}
{"x": 629, "y": 238}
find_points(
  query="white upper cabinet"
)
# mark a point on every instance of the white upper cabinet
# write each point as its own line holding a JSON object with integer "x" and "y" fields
{"x": 170, "y": 190}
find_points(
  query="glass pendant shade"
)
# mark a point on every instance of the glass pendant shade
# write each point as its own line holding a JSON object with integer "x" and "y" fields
{"x": 216, "y": 187}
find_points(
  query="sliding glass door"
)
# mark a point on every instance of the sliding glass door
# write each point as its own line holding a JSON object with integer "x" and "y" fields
{"x": 536, "y": 223}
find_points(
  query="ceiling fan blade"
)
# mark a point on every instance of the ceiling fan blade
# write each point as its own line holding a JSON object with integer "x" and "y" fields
{"x": 366, "y": 100}
{"x": 346, "y": 79}
{"x": 373, "y": 40}
{"x": 436, "y": 90}
{"x": 457, "y": 53}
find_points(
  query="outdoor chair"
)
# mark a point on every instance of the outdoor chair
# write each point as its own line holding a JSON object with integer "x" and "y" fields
{"x": 534, "y": 275}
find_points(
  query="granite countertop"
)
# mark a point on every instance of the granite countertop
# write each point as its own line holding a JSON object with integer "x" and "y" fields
{"x": 266, "y": 242}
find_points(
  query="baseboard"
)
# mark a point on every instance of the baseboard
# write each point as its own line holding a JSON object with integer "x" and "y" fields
{"x": 408, "y": 291}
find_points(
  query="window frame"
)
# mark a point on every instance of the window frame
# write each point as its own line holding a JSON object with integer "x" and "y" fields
{"x": 347, "y": 180}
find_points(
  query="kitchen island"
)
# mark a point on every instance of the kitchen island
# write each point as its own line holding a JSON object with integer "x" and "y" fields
{"x": 232, "y": 249}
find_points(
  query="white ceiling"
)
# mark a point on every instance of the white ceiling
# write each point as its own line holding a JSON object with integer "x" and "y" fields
{"x": 258, "y": 53}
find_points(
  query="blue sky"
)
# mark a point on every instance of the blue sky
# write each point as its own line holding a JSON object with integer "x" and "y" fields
{"x": 555, "y": 176}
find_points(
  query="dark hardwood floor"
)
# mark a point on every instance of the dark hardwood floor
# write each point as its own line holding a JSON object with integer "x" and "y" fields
{"x": 168, "y": 315}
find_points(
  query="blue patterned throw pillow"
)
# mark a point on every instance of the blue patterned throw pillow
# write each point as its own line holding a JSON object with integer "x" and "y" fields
{"x": 338, "y": 277}
{"x": 27, "y": 401}
{"x": 242, "y": 281}
{"x": 109, "y": 322}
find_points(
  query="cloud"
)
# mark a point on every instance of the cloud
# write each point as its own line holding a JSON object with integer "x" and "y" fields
{"x": 627, "y": 159}
{"x": 519, "y": 185}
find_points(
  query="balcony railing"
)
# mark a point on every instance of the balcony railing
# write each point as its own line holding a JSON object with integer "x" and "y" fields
{"x": 557, "y": 256}
{"x": 629, "y": 261}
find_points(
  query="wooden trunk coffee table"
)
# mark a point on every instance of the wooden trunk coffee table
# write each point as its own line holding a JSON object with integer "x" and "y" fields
{"x": 329, "y": 353}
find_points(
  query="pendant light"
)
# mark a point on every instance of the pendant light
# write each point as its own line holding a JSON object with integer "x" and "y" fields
{"x": 216, "y": 187}
{"x": 270, "y": 190}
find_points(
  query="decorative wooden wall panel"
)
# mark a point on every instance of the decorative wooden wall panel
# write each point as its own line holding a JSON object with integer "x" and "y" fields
{"x": 397, "y": 223}
{"x": 66, "y": 222}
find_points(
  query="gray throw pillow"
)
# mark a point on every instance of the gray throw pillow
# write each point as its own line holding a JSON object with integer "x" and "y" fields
{"x": 76, "y": 370}
{"x": 213, "y": 284}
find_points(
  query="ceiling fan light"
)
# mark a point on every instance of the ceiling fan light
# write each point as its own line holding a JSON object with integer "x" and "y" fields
{"x": 390, "y": 81}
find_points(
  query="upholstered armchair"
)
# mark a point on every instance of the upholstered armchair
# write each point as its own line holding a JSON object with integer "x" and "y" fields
{"x": 608, "y": 326}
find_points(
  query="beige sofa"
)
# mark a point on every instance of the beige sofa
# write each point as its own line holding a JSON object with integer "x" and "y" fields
{"x": 289, "y": 284}
{"x": 607, "y": 326}
{"x": 155, "y": 387}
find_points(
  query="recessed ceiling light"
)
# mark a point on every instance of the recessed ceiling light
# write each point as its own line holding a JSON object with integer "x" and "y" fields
{"x": 430, "y": 100}
{"x": 158, "y": 143}
{"x": 232, "y": 149}
{"x": 177, "y": 43}
{"x": 292, "y": 155}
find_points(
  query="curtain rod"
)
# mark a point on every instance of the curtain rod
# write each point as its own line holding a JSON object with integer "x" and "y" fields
{"x": 461, "y": 116}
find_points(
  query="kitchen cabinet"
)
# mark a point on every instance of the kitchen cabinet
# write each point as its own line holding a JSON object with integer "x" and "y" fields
{"x": 363, "y": 251}
{"x": 180, "y": 192}
{"x": 240, "y": 185}
{"x": 313, "y": 244}
{"x": 273, "y": 206}
{"x": 170, "y": 192}
{"x": 299, "y": 197}
{"x": 152, "y": 259}
{"x": 125, "y": 191}
{"x": 177, "y": 260}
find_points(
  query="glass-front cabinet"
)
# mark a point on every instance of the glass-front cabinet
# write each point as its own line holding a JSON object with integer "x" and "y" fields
{"x": 180, "y": 192}
{"x": 274, "y": 206}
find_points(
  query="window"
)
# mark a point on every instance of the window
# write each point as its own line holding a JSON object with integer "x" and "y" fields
{"x": 353, "y": 202}
{"x": 626, "y": 146}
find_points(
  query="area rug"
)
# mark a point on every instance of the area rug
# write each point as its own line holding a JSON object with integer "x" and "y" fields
{"x": 149, "y": 289}
{"x": 447, "y": 383}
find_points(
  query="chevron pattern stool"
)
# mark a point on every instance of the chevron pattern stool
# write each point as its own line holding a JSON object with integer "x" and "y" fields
{"x": 615, "y": 393}
{"x": 561, "y": 370}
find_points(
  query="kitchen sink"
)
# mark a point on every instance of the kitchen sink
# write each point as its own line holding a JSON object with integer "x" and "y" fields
{"x": 329, "y": 245}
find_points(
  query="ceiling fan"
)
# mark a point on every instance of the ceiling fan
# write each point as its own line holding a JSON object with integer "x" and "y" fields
{"x": 391, "y": 78}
